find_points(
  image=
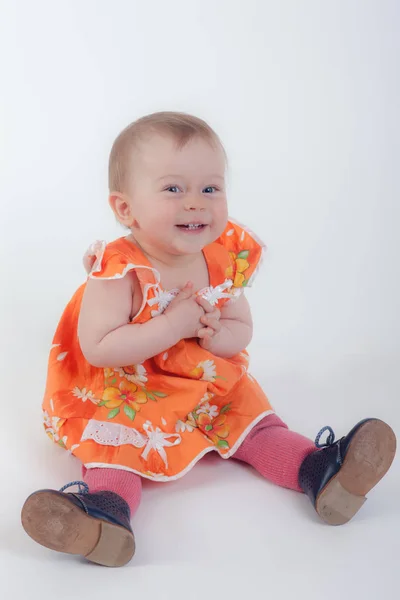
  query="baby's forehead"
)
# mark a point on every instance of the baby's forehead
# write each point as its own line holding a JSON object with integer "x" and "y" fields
{"x": 158, "y": 137}
{"x": 158, "y": 151}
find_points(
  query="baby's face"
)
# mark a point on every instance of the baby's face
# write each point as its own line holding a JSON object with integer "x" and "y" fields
{"x": 177, "y": 195}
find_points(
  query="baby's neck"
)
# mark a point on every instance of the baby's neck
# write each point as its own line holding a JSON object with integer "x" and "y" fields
{"x": 162, "y": 258}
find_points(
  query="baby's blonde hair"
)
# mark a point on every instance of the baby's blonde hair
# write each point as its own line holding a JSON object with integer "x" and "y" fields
{"x": 180, "y": 126}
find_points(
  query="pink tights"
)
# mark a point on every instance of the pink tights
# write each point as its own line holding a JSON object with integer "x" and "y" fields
{"x": 271, "y": 448}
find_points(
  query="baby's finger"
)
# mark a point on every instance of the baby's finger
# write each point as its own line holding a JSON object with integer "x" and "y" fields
{"x": 216, "y": 314}
{"x": 210, "y": 322}
{"x": 216, "y": 325}
{"x": 185, "y": 292}
{"x": 204, "y": 332}
{"x": 205, "y": 304}
{"x": 206, "y": 342}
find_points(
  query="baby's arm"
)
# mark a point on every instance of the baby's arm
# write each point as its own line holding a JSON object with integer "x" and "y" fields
{"x": 106, "y": 337}
{"x": 236, "y": 329}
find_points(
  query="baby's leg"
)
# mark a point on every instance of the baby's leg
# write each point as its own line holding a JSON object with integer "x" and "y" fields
{"x": 124, "y": 483}
{"x": 336, "y": 475}
{"x": 275, "y": 452}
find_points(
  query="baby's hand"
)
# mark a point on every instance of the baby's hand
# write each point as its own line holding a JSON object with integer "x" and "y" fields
{"x": 211, "y": 322}
{"x": 184, "y": 313}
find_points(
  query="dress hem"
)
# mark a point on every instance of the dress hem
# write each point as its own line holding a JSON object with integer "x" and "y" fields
{"x": 165, "y": 478}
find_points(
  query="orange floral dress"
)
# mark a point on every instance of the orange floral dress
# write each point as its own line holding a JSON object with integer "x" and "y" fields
{"x": 156, "y": 419}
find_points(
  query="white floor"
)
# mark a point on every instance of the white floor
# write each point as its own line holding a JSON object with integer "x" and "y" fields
{"x": 221, "y": 531}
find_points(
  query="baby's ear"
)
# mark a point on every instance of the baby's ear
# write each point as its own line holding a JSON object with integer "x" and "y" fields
{"x": 121, "y": 208}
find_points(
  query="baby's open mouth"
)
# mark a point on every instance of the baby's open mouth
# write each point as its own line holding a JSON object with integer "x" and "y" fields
{"x": 192, "y": 226}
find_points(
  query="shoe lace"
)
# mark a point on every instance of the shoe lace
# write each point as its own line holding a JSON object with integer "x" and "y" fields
{"x": 330, "y": 441}
{"x": 83, "y": 489}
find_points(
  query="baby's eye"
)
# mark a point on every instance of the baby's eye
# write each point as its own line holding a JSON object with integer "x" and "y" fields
{"x": 210, "y": 189}
{"x": 173, "y": 189}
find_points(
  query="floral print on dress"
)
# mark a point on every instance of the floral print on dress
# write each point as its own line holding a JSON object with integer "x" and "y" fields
{"x": 239, "y": 268}
{"x": 120, "y": 393}
{"x": 84, "y": 395}
{"x": 205, "y": 370}
{"x": 135, "y": 374}
{"x": 246, "y": 253}
{"x": 208, "y": 409}
{"x": 217, "y": 430}
{"x": 182, "y": 426}
{"x": 208, "y": 396}
{"x": 211, "y": 421}
{"x": 52, "y": 426}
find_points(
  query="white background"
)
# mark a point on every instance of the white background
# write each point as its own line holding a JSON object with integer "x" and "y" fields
{"x": 305, "y": 96}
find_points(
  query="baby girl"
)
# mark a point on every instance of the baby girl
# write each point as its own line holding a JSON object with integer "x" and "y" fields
{"x": 148, "y": 370}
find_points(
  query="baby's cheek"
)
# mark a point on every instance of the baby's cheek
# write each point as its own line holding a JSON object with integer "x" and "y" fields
{"x": 163, "y": 217}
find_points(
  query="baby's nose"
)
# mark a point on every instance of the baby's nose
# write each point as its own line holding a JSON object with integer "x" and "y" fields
{"x": 195, "y": 203}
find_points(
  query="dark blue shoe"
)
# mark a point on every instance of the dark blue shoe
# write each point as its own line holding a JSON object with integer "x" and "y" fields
{"x": 96, "y": 526}
{"x": 339, "y": 475}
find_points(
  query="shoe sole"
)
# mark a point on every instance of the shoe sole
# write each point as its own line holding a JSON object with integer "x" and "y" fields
{"x": 368, "y": 459}
{"x": 54, "y": 521}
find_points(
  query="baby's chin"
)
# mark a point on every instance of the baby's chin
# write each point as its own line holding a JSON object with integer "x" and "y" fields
{"x": 182, "y": 249}
{"x": 192, "y": 244}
